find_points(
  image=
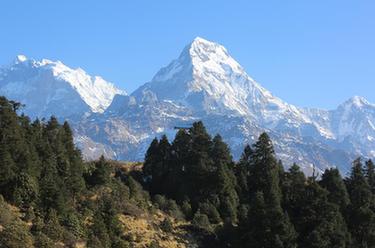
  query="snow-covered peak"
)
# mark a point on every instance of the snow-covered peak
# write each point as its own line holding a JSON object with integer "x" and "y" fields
{"x": 212, "y": 57}
{"x": 357, "y": 101}
{"x": 94, "y": 90}
{"x": 41, "y": 84}
{"x": 20, "y": 58}
{"x": 206, "y": 78}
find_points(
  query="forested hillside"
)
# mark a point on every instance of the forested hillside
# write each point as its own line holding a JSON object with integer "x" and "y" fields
{"x": 51, "y": 198}
{"x": 188, "y": 193}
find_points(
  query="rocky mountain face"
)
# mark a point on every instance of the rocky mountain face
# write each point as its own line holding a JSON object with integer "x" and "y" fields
{"x": 204, "y": 83}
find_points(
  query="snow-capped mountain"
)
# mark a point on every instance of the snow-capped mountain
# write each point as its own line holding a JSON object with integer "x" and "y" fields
{"x": 206, "y": 83}
{"x": 203, "y": 83}
{"x": 51, "y": 88}
{"x": 352, "y": 125}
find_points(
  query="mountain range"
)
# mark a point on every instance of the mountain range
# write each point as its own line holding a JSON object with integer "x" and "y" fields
{"x": 204, "y": 83}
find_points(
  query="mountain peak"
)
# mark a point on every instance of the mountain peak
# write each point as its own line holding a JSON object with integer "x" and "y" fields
{"x": 45, "y": 84}
{"x": 201, "y": 47}
{"x": 357, "y": 101}
{"x": 20, "y": 58}
{"x": 206, "y": 77}
{"x": 199, "y": 41}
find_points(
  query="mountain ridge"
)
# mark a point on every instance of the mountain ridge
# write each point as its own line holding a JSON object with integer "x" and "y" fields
{"x": 92, "y": 93}
{"x": 206, "y": 83}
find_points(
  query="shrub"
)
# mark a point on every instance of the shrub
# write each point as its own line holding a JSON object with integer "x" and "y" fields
{"x": 201, "y": 221}
{"x": 166, "y": 225}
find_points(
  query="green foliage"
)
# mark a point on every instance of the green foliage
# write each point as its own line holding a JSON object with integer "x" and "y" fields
{"x": 186, "y": 209}
{"x": 57, "y": 198}
{"x": 268, "y": 225}
{"x": 166, "y": 225}
{"x": 361, "y": 217}
{"x": 201, "y": 221}
{"x": 43, "y": 241}
{"x": 13, "y": 232}
{"x": 334, "y": 184}
{"x": 195, "y": 168}
{"x": 16, "y": 235}
{"x": 210, "y": 211}
{"x": 169, "y": 206}
{"x": 101, "y": 172}
{"x": 370, "y": 174}
{"x": 320, "y": 221}
{"x": 52, "y": 227}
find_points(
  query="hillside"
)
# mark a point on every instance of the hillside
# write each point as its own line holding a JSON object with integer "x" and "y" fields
{"x": 187, "y": 193}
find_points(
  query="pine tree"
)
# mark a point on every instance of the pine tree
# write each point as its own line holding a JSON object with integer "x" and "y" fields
{"x": 51, "y": 193}
{"x": 52, "y": 228}
{"x": 162, "y": 172}
{"x": 26, "y": 191}
{"x": 268, "y": 225}
{"x": 151, "y": 158}
{"x": 242, "y": 174}
{"x": 199, "y": 170}
{"x": 361, "y": 219}
{"x": 99, "y": 236}
{"x": 320, "y": 223}
{"x": 101, "y": 173}
{"x": 264, "y": 173}
{"x": 179, "y": 161}
{"x": 224, "y": 184}
{"x": 7, "y": 173}
{"x": 370, "y": 175}
{"x": 293, "y": 191}
{"x": 334, "y": 184}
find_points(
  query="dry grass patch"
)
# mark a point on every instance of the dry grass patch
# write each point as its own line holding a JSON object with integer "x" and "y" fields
{"x": 142, "y": 231}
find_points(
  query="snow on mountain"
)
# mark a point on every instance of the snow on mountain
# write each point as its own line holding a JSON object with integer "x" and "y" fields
{"x": 207, "y": 78}
{"x": 204, "y": 83}
{"x": 50, "y": 87}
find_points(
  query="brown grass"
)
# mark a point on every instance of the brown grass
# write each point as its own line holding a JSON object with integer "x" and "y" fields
{"x": 142, "y": 231}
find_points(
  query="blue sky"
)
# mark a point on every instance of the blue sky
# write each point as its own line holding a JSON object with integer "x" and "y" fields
{"x": 309, "y": 53}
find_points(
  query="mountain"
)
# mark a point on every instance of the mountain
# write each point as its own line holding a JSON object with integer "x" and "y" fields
{"x": 352, "y": 125}
{"x": 51, "y": 88}
{"x": 204, "y": 83}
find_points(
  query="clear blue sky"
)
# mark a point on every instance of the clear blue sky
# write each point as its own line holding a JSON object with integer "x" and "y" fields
{"x": 310, "y": 53}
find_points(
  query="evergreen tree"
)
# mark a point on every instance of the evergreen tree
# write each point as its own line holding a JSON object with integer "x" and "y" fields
{"x": 334, "y": 184}
{"x": 51, "y": 193}
{"x": 52, "y": 228}
{"x": 264, "y": 173}
{"x": 162, "y": 172}
{"x": 25, "y": 191}
{"x": 320, "y": 223}
{"x": 199, "y": 170}
{"x": 99, "y": 236}
{"x": 7, "y": 173}
{"x": 224, "y": 184}
{"x": 370, "y": 175}
{"x": 177, "y": 182}
{"x": 242, "y": 174}
{"x": 293, "y": 191}
{"x": 156, "y": 167}
{"x": 101, "y": 173}
{"x": 151, "y": 158}
{"x": 268, "y": 225}
{"x": 361, "y": 219}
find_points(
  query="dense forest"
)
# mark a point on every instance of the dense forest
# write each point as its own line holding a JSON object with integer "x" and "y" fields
{"x": 50, "y": 197}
